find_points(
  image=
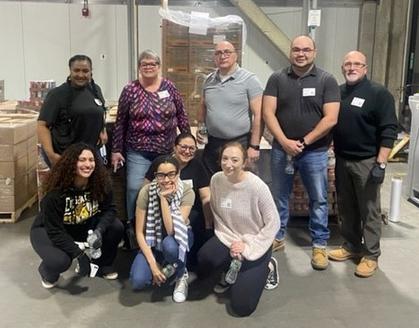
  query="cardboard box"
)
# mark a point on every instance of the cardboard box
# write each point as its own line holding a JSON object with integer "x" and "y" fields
{"x": 10, "y": 153}
{"x": 15, "y": 128}
{"x": 12, "y": 203}
{"x": 15, "y": 168}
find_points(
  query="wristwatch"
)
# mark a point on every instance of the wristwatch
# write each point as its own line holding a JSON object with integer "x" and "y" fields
{"x": 302, "y": 141}
{"x": 255, "y": 147}
{"x": 382, "y": 165}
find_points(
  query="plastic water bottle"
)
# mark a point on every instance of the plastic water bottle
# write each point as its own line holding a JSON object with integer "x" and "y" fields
{"x": 169, "y": 270}
{"x": 93, "y": 253}
{"x": 233, "y": 271}
{"x": 203, "y": 131}
{"x": 289, "y": 168}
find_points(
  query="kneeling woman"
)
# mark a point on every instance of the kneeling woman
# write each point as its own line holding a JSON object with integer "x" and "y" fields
{"x": 78, "y": 199}
{"x": 245, "y": 224}
{"x": 162, "y": 229}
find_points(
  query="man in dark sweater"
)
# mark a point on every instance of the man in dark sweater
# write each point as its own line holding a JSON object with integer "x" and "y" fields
{"x": 363, "y": 138}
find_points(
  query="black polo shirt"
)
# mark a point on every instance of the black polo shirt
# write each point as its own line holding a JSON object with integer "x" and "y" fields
{"x": 300, "y": 101}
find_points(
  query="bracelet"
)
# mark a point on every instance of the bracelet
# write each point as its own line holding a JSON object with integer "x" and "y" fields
{"x": 255, "y": 147}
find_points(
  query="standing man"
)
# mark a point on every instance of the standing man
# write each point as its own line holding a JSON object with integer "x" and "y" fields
{"x": 300, "y": 106}
{"x": 231, "y": 108}
{"x": 363, "y": 138}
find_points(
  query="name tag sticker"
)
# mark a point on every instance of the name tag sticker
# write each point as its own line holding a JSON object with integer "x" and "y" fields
{"x": 309, "y": 92}
{"x": 357, "y": 102}
{"x": 226, "y": 203}
{"x": 163, "y": 94}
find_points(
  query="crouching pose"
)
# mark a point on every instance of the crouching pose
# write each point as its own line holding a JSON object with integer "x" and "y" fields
{"x": 78, "y": 199}
{"x": 162, "y": 229}
{"x": 245, "y": 224}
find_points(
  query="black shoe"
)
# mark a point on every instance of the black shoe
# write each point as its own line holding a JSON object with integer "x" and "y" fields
{"x": 273, "y": 276}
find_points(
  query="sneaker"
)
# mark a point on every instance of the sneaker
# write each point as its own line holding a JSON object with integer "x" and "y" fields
{"x": 278, "y": 245}
{"x": 107, "y": 273}
{"x": 180, "y": 293}
{"x": 366, "y": 268}
{"x": 319, "y": 259}
{"x": 47, "y": 284}
{"x": 341, "y": 254}
{"x": 222, "y": 286}
{"x": 273, "y": 276}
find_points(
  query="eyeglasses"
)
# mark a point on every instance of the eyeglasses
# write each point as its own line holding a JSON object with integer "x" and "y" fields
{"x": 192, "y": 149}
{"x": 296, "y": 50}
{"x": 349, "y": 65}
{"x": 152, "y": 65}
{"x": 226, "y": 52}
{"x": 161, "y": 176}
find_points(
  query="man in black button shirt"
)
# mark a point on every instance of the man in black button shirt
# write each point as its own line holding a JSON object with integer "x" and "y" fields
{"x": 363, "y": 138}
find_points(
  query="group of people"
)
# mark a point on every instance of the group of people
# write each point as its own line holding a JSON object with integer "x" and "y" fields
{"x": 212, "y": 214}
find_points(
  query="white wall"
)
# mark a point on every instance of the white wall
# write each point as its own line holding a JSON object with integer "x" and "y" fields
{"x": 38, "y": 38}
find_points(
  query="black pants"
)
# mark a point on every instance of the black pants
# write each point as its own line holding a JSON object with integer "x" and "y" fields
{"x": 251, "y": 280}
{"x": 211, "y": 154}
{"x": 55, "y": 261}
{"x": 201, "y": 235}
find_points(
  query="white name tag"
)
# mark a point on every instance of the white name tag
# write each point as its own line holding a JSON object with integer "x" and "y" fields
{"x": 163, "y": 94}
{"x": 98, "y": 102}
{"x": 226, "y": 203}
{"x": 358, "y": 102}
{"x": 309, "y": 92}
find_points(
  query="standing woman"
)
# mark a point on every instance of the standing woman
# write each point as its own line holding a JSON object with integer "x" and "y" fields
{"x": 150, "y": 110}
{"x": 162, "y": 230}
{"x": 194, "y": 174}
{"x": 245, "y": 224}
{"x": 78, "y": 199}
{"x": 73, "y": 112}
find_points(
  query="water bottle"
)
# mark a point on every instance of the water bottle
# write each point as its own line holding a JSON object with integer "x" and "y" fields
{"x": 233, "y": 271}
{"x": 289, "y": 168}
{"x": 93, "y": 253}
{"x": 203, "y": 131}
{"x": 169, "y": 270}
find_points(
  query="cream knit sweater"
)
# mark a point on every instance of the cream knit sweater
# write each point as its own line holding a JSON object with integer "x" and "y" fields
{"x": 244, "y": 211}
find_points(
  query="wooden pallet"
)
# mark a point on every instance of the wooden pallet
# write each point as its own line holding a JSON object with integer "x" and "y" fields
{"x": 13, "y": 217}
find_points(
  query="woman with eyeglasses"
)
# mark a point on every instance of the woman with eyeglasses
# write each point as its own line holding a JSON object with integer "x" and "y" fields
{"x": 150, "y": 110}
{"x": 193, "y": 173}
{"x": 163, "y": 230}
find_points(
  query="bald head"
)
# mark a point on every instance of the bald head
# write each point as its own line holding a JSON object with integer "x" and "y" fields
{"x": 302, "y": 54}
{"x": 354, "y": 67}
{"x": 305, "y": 39}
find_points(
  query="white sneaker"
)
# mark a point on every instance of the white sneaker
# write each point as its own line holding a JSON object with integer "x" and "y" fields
{"x": 47, "y": 284}
{"x": 180, "y": 293}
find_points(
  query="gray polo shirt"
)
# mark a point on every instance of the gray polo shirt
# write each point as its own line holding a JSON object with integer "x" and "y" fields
{"x": 228, "y": 103}
{"x": 300, "y": 101}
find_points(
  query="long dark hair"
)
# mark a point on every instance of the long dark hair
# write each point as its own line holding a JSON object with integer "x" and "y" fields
{"x": 64, "y": 172}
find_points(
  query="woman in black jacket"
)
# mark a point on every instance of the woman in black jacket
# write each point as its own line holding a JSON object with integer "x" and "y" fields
{"x": 78, "y": 199}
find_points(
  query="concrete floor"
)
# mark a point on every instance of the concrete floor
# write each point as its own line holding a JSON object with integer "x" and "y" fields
{"x": 305, "y": 298}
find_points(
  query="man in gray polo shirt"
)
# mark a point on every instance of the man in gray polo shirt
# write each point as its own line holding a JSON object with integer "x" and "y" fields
{"x": 231, "y": 108}
{"x": 300, "y": 106}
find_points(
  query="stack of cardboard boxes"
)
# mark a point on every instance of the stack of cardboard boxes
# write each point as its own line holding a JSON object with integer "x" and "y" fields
{"x": 18, "y": 162}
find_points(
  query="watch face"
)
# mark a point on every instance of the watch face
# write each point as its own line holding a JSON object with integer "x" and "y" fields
{"x": 383, "y": 165}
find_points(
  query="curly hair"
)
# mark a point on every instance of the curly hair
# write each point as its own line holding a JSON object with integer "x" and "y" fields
{"x": 63, "y": 173}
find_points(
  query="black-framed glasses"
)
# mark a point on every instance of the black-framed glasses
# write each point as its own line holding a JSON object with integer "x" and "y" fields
{"x": 225, "y": 52}
{"x": 191, "y": 149}
{"x": 349, "y": 65}
{"x": 296, "y": 50}
{"x": 144, "y": 65}
{"x": 161, "y": 176}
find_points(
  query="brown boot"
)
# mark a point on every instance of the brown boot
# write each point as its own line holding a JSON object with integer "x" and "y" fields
{"x": 319, "y": 259}
{"x": 366, "y": 268}
{"x": 341, "y": 254}
{"x": 278, "y": 245}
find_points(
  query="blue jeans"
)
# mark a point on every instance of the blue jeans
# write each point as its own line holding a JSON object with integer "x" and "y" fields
{"x": 140, "y": 274}
{"x": 137, "y": 167}
{"x": 312, "y": 166}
